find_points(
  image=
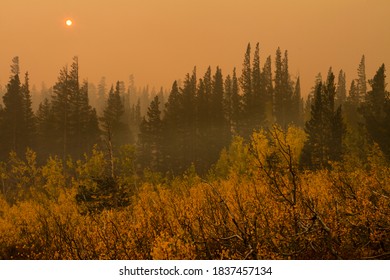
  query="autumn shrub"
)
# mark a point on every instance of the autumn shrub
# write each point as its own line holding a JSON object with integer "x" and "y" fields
{"x": 256, "y": 203}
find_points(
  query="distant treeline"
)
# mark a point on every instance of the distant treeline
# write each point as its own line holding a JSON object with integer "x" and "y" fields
{"x": 201, "y": 116}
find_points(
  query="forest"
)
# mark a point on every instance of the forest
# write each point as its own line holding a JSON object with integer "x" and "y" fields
{"x": 239, "y": 166}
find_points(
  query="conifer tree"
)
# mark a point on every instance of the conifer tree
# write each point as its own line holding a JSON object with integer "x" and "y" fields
{"x": 61, "y": 110}
{"x": 228, "y": 107}
{"x": 235, "y": 102}
{"x": 356, "y": 140}
{"x": 135, "y": 119}
{"x": 74, "y": 120}
{"x": 361, "y": 82}
{"x": 256, "y": 108}
{"x": 246, "y": 77}
{"x": 325, "y": 129}
{"x": 310, "y": 98}
{"x": 352, "y": 104}
{"x": 281, "y": 94}
{"x": 46, "y": 133}
{"x": 113, "y": 125}
{"x": 341, "y": 93}
{"x": 204, "y": 111}
{"x": 101, "y": 95}
{"x": 28, "y": 115}
{"x": 354, "y": 119}
{"x": 219, "y": 129}
{"x": 173, "y": 146}
{"x": 89, "y": 122}
{"x": 268, "y": 92}
{"x": 296, "y": 116}
{"x": 150, "y": 138}
{"x": 13, "y": 126}
{"x": 376, "y": 111}
{"x": 189, "y": 119}
{"x": 247, "y": 94}
{"x": 203, "y": 114}
{"x": 287, "y": 108}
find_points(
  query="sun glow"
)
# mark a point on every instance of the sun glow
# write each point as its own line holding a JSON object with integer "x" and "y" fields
{"x": 69, "y": 22}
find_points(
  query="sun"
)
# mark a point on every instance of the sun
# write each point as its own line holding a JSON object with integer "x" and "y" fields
{"x": 69, "y": 22}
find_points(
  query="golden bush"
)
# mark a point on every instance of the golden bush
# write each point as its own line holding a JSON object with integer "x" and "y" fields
{"x": 256, "y": 204}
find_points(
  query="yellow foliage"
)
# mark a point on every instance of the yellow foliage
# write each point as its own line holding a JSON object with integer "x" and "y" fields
{"x": 259, "y": 210}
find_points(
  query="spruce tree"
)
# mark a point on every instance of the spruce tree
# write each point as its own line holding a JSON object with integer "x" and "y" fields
{"x": 61, "y": 109}
{"x": 13, "y": 126}
{"x": 341, "y": 93}
{"x": 376, "y": 111}
{"x": 256, "y": 108}
{"x": 236, "y": 108}
{"x": 173, "y": 128}
{"x": 296, "y": 111}
{"x": 29, "y": 121}
{"x": 150, "y": 138}
{"x": 228, "y": 107}
{"x": 283, "y": 90}
{"x": 113, "y": 126}
{"x": 247, "y": 94}
{"x": 361, "y": 82}
{"x": 219, "y": 127}
{"x": 189, "y": 119}
{"x": 101, "y": 95}
{"x": 268, "y": 92}
{"x": 46, "y": 131}
{"x": 203, "y": 114}
{"x": 74, "y": 120}
{"x": 325, "y": 129}
{"x": 285, "y": 105}
{"x": 310, "y": 98}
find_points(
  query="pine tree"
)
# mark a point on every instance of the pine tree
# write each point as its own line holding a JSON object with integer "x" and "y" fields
{"x": 246, "y": 77}
{"x": 256, "y": 108}
{"x": 247, "y": 94}
{"x": 101, "y": 95}
{"x": 376, "y": 111}
{"x": 150, "y": 138}
{"x": 361, "y": 82}
{"x": 341, "y": 93}
{"x": 235, "y": 103}
{"x": 285, "y": 105}
{"x": 161, "y": 98}
{"x": 173, "y": 128}
{"x": 135, "y": 119}
{"x": 219, "y": 128}
{"x": 356, "y": 141}
{"x": 112, "y": 120}
{"x": 46, "y": 133}
{"x": 89, "y": 133}
{"x": 204, "y": 110}
{"x": 325, "y": 129}
{"x": 189, "y": 119}
{"x": 203, "y": 114}
{"x": 74, "y": 120}
{"x": 267, "y": 86}
{"x": 61, "y": 109}
{"x": 279, "y": 91}
{"x": 352, "y": 117}
{"x": 310, "y": 98}
{"x": 352, "y": 104}
{"x": 228, "y": 101}
{"x": 296, "y": 110}
{"x": 13, "y": 126}
{"x": 28, "y": 115}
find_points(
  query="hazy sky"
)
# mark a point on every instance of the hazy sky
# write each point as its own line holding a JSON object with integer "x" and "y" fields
{"x": 161, "y": 40}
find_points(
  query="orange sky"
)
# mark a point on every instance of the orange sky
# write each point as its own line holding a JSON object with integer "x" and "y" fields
{"x": 161, "y": 40}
